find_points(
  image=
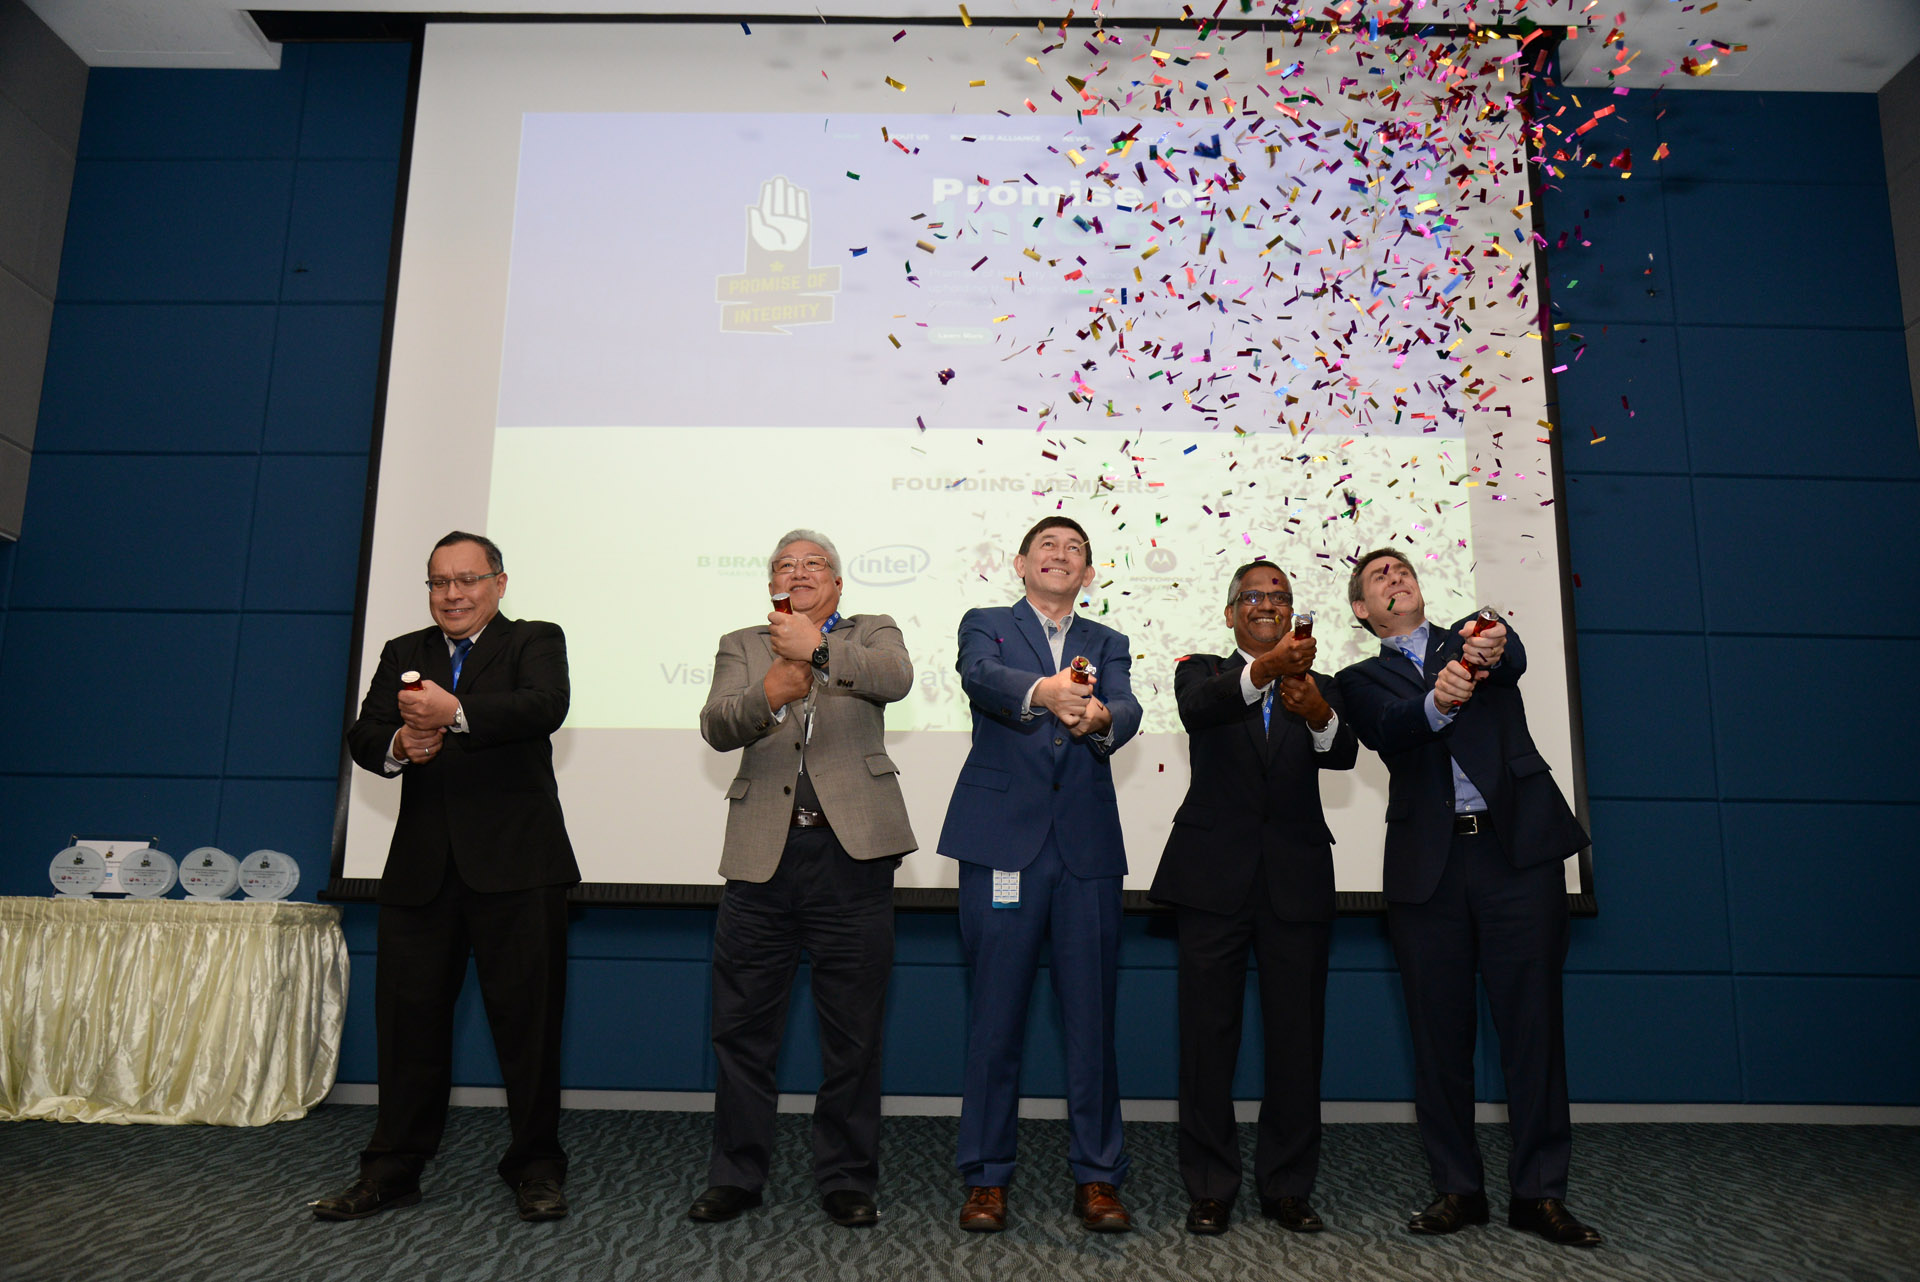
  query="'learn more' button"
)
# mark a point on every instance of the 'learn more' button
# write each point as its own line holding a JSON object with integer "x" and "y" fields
{"x": 960, "y": 335}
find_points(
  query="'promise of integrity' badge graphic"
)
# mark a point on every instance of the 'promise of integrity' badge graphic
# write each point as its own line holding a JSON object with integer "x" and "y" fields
{"x": 778, "y": 288}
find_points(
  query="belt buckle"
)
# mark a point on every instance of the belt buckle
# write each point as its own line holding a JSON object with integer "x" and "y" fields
{"x": 1466, "y": 825}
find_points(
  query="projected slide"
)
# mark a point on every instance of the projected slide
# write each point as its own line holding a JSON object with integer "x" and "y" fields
{"x": 668, "y": 317}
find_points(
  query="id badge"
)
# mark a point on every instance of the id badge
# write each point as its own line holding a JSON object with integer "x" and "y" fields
{"x": 1006, "y": 888}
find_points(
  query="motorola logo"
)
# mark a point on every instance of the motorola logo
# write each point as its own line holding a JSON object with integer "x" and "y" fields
{"x": 1160, "y": 560}
{"x": 893, "y": 566}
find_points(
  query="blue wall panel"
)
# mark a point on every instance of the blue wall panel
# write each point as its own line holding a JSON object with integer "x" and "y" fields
{"x": 1683, "y": 1043}
{"x": 342, "y": 227}
{"x": 155, "y": 378}
{"x": 326, "y": 362}
{"x": 1606, "y": 362}
{"x": 1799, "y": 402}
{"x": 152, "y": 231}
{"x": 1824, "y": 889}
{"x": 635, "y": 1025}
{"x": 1772, "y": 552}
{"x": 143, "y": 113}
{"x": 1632, "y": 545}
{"x": 135, "y": 533}
{"x": 1832, "y": 138}
{"x": 1661, "y": 881}
{"x": 288, "y": 702}
{"x": 1838, "y": 1041}
{"x": 1615, "y": 266}
{"x": 1811, "y": 255}
{"x": 116, "y": 694}
{"x": 1764, "y": 756}
{"x": 304, "y": 554}
{"x": 356, "y": 102}
{"x": 1623, "y": 675}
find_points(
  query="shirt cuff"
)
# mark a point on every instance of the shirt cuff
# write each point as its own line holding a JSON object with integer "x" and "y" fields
{"x": 1026, "y": 704}
{"x": 392, "y": 765}
{"x": 1249, "y": 691}
{"x": 459, "y": 725}
{"x": 1323, "y": 739}
{"x": 780, "y": 714}
{"x": 1436, "y": 719}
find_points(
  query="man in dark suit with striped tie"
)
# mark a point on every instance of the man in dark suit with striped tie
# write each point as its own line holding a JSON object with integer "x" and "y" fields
{"x": 1477, "y": 838}
{"x": 1249, "y": 867}
{"x": 464, "y": 712}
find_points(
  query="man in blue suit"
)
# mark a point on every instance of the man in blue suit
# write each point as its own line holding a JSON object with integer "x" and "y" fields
{"x": 1036, "y": 829}
{"x": 1477, "y": 837}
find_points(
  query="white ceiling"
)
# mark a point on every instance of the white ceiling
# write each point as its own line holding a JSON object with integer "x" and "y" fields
{"x": 1842, "y": 46}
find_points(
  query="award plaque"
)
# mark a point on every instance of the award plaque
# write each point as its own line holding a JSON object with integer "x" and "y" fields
{"x": 209, "y": 873}
{"x": 147, "y": 874}
{"x": 78, "y": 871}
{"x": 268, "y": 875}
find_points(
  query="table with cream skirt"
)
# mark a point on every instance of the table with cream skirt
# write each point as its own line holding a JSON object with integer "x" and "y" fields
{"x": 168, "y": 1010}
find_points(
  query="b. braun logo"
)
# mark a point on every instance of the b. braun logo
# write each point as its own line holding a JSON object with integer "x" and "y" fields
{"x": 1161, "y": 560}
{"x": 893, "y": 566}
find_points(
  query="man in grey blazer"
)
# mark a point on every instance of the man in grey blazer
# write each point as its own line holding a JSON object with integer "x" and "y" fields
{"x": 815, "y": 828}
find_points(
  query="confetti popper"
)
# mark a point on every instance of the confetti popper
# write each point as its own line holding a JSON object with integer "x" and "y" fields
{"x": 1486, "y": 618}
{"x": 1081, "y": 672}
{"x": 783, "y": 603}
{"x": 410, "y": 680}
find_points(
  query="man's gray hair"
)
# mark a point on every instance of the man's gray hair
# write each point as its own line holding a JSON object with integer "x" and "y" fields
{"x": 805, "y": 536}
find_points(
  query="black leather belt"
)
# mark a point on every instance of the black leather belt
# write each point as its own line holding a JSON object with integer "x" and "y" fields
{"x": 808, "y": 818}
{"x": 1470, "y": 825}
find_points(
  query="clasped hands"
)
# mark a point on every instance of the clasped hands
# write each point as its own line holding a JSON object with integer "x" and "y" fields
{"x": 1454, "y": 686}
{"x": 425, "y": 715}
{"x": 1073, "y": 703}
{"x": 1288, "y": 663}
{"x": 794, "y": 638}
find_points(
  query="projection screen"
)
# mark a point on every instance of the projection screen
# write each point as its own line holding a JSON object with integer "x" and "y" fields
{"x": 667, "y": 290}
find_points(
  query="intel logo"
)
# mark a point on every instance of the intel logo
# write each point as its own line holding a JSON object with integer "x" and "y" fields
{"x": 893, "y": 566}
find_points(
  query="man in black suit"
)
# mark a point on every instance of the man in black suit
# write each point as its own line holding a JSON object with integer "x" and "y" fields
{"x": 1477, "y": 838}
{"x": 1250, "y": 865}
{"x": 480, "y": 863}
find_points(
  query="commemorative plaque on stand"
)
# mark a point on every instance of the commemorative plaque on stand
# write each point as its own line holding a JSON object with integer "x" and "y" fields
{"x": 147, "y": 874}
{"x": 267, "y": 876}
{"x": 209, "y": 873}
{"x": 77, "y": 872}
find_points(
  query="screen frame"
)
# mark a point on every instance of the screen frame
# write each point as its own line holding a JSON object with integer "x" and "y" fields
{"x": 283, "y": 26}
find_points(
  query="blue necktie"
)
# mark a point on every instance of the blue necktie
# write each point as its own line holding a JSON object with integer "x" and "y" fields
{"x": 460, "y": 649}
{"x": 1266, "y": 711}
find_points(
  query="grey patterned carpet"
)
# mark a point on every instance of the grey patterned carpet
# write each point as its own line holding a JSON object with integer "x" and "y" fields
{"x": 1730, "y": 1202}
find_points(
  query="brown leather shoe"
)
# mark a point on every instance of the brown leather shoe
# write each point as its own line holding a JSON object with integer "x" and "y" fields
{"x": 986, "y": 1209}
{"x": 1099, "y": 1209}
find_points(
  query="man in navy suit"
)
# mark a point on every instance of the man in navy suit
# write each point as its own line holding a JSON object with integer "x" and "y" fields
{"x": 1249, "y": 866}
{"x": 1477, "y": 837}
{"x": 1036, "y": 829}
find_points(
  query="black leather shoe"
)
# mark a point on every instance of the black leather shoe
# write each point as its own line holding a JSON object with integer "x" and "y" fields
{"x": 362, "y": 1198}
{"x": 1292, "y": 1213}
{"x": 722, "y": 1202}
{"x": 1550, "y": 1218}
{"x": 1449, "y": 1213}
{"x": 850, "y": 1208}
{"x": 540, "y": 1200}
{"x": 1209, "y": 1217}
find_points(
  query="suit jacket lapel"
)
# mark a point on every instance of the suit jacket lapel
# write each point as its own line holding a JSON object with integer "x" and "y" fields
{"x": 1028, "y": 621}
{"x": 1256, "y": 731}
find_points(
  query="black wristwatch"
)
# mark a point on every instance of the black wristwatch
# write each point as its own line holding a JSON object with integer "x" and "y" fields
{"x": 819, "y": 659}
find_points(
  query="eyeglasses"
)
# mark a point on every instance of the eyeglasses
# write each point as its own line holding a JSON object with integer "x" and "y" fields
{"x": 1253, "y": 597}
{"x": 811, "y": 564}
{"x": 464, "y": 580}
